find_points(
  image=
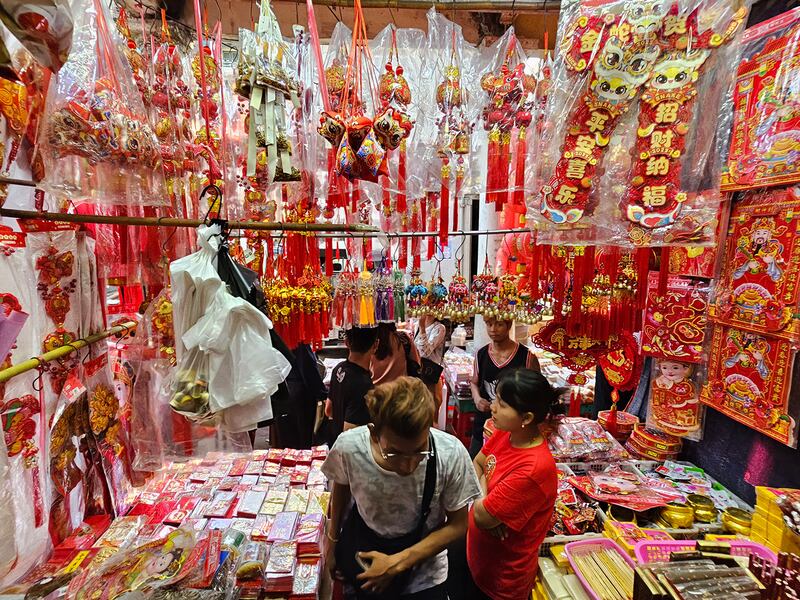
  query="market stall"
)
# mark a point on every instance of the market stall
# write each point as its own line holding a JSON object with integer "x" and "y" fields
{"x": 195, "y": 211}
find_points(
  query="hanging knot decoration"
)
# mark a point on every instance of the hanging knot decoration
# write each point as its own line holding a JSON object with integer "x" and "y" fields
{"x": 654, "y": 198}
{"x": 345, "y": 300}
{"x": 362, "y": 142}
{"x": 459, "y": 302}
{"x": 416, "y": 291}
{"x": 265, "y": 77}
{"x": 507, "y": 116}
{"x": 398, "y": 288}
{"x": 454, "y": 131}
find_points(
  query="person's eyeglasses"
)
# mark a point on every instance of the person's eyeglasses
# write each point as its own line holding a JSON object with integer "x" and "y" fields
{"x": 400, "y": 455}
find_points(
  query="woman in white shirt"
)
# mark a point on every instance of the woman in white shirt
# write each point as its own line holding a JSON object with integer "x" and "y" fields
{"x": 429, "y": 340}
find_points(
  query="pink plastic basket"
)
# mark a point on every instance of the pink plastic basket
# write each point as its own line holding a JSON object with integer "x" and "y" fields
{"x": 648, "y": 551}
{"x": 586, "y": 546}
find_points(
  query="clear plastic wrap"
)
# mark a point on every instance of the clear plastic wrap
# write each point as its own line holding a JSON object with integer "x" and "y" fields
{"x": 765, "y": 143}
{"x": 628, "y": 157}
{"x": 674, "y": 404}
{"x": 143, "y": 569}
{"x": 97, "y": 142}
{"x": 43, "y": 27}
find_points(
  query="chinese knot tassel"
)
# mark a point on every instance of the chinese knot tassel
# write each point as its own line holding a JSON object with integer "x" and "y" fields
{"x": 401, "y": 180}
{"x": 492, "y": 165}
{"x": 444, "y": 202}
{"x": 329, "y": 257}
{"x": 457, "y": 196}
{"x": 611, "y": 422}
{"x": 501, "y": 181}
{"x": 517, "y": 205}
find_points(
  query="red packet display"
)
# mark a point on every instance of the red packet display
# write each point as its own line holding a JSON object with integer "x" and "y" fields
{"x": 282, "y": 481}
{"x": 221, "y": 470}
{"x": 249, "y": 480}
{"x": 121, "y": 532}
{"x": 309, "y": 535}
{"x": 87, "y": 533}
{"x": 316, "y": 477}
{"x": 200, "y": 476}
{"x": 228, "y": 483}
{"x": 238, "y": 468}
{"x": 675, "y": 322}
{"x": 297, "y": 501}
{"x": 319, "y": 452}
{"x": 250, "y": 504}
{"x": 199, "y": 510}
{"x": 283, "y": 527}
{"x": 243, "y": 525}
{"x": 765, "y": 145}
{"x": 196, "y": 525}
{"x": 280, "y": 567}
{"x": 299, "y": 476}
{"x": 318, "y": 503}
{"x": 276, "y": 455}
{"x": 261, "y": 527}
{"x": 623, "y": 488}
{"x": 306, "y": 580}
{"x": 181, "y": 511}
{"x": 271, "y": 469}
{"x": 220, "y": 505}
{"x": 149, "y": 497}
{"x": 275, "y": 501}
{"x": 203, "y": 562}
{"x": 220, "y": 524}
{"x": 254, "y": 467}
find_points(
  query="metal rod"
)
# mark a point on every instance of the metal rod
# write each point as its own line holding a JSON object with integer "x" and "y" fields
{"x": 65, "y": 350}
{"x": 412, "y": 234}
{"x": 521, "y": 6}
{"x": 22, "y": 182}
{"x": 172, "y": 222}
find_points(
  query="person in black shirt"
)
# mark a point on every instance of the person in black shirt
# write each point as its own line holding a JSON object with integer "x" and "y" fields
{"x": 351, "y": 380}
{"x": 500, "y": 355}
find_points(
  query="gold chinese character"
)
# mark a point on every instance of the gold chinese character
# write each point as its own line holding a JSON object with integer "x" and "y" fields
{"x": 597, "y": 122}
{"x": 667, "y": 112}
{"x": 576, "y": 168}
{"x": 674, "y": 24}
{"x": 566, "y": 193}
{"x": 654, "y": 195}
{"x": 657, "y": 165}
{"x": 661, "y": 139}
{"x": 585, "y": 143}
{"x": 588, "y": 40}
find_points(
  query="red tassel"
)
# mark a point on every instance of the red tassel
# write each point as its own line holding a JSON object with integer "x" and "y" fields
{"x": 492, "y": 166}
{"x": 575, "y": 404}
{"x": 518, "y": 203}
{"x": 444, "y": 203}
{"x": 663, "y": 273}
{"x": 459, "y": 183}
{"x": 329, "y": 257}
{"x": 504, "y": 161}
{"x": 270, "y": 255}
{"x": 611, "y": 423}
{"x": 401, "y": 180}
{"x": 432, "y": 224}
{"x": 387, "y": 199}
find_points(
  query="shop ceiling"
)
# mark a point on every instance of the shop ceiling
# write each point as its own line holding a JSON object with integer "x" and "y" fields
{"x": 482, "y": 20}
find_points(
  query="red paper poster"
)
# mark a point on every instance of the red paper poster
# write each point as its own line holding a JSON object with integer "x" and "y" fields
{"x": 758, "y": 284}
{"x": 750, "y": 378}
{"x": 692, "y": 261}
{"x": 765, "y": 146}
{"x": 674, "y": 324}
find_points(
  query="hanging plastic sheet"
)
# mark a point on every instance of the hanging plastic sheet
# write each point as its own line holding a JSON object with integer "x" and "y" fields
{"x": 627, "y": 77}
{"x": 97, "y": 142}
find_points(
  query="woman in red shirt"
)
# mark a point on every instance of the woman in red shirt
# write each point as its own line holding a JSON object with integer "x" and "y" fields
{"x": 519, "y": 479}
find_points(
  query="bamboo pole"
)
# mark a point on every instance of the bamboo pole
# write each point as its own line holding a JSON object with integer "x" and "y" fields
{"x": 173, "y": 222}
{"x": 65, "y": 350}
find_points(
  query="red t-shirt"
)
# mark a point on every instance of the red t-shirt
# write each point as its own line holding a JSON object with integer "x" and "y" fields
{"x": 522, "y": 486}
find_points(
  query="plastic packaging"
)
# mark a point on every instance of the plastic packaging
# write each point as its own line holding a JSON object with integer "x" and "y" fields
{"x": 43, "y": 27}
{"x": 97, "y": 141}
{"x": 766, "y": 104}
{"x": 624, "y": 69}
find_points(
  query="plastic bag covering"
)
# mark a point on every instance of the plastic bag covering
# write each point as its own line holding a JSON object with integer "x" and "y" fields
{"x": 444, "y": 128}
{"x": 266, "y": 75}
{"x": 158, "y": 434}
{"x": 43, "y": 27}
{"x": 227, "y": 366}
{"x": 143, "y": 569}
{"x": 765, "y": 145}
{"x": 8, "y": 550}
{"x": 628, "y": 157}
{"x": 97, "y": 142}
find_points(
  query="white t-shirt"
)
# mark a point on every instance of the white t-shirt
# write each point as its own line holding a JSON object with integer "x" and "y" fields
{"x": 390, "y": 503}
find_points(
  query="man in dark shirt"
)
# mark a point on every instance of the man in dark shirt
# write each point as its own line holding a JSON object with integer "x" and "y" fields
{"x": 351, "y": 380}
